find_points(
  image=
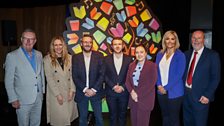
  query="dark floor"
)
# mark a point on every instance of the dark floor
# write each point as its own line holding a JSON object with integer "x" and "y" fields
{"x": 8, "y": 116}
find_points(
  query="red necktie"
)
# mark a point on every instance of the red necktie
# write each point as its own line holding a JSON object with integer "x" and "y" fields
{"x": 190, "y": 72}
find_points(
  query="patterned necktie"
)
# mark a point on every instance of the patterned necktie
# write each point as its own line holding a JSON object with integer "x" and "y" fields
{"x": 190, "y": 72}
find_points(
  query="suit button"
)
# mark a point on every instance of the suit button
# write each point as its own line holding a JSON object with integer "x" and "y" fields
{"x": 68, "y": 69}
{"x": 36, "y": 77}
{"x": 55, "y": 71}
{"x": 68, "y": 79}
{"x": 58, "y": 81}
{"x": 35, "y": 84}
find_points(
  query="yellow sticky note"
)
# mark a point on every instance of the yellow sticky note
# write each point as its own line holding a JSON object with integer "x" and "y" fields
{"x": 79, "y": 13}
{"x": 104, "y": 54}
{"x": 145, "y": 15}
{"x": 77, "y": 49}
{"x": 95, "y": 46}
{"x": 102, "y": 24}
{"x": 127, "y": 38}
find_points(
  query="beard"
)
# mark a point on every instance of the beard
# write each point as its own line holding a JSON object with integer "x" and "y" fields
{"x": 87, "y": 48}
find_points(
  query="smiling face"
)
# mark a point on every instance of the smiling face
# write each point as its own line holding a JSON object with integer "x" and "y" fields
{"x": 28, "y": 40}
{"x": 197, "y": 40}
{"x": 117, "y": 45}
{"x": 170, "y": 41}
{"x": 58, "y": 47}
{"x": 87, "y": 43}
{"x": 140, "y": 53}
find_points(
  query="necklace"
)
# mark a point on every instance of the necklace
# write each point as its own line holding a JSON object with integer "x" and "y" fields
{"x": 168, "y": 55}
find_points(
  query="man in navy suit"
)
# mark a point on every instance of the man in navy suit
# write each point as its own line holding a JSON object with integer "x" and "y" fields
{"x": 200, "y": 86}
{"x": 117, "y": 95}
{"x": 87, "y": 73}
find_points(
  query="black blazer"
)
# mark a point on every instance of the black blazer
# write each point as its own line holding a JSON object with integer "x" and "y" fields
{"x": 96, "y": 72}
{"x": 111, "y": 76}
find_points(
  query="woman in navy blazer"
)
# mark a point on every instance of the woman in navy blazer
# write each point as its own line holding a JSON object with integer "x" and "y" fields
{"x": 140, "y": 83}
{"x": 171, "y": 65}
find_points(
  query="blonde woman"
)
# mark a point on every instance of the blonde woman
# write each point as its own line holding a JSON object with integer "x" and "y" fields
{"x": 61, "y": 108}
{"x": 171, "y": 65}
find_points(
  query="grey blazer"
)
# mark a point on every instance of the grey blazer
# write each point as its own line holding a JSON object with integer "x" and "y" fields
{"x": 21, "y": 81}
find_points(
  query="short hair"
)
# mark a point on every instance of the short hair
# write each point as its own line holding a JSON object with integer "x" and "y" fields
{"x": 117, "y": 38}
{"x": 87, "y": 35}
{"x": 28, "y": 30}
{"x": 199, "y": 30}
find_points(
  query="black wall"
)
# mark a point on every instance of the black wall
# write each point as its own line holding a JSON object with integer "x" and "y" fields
{"x": 177, "y": 15}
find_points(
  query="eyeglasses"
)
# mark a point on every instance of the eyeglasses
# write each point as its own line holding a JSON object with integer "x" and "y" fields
{"x": 87, "y": 42}
{"x": 30, "y": 39}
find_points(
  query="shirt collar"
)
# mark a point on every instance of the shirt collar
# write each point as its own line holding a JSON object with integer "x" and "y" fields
{"x": 24, "y": 50}
{"x": 116, "y": 57}
{"x": 200, "y": 50}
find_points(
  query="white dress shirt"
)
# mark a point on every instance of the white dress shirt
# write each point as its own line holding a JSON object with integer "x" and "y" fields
{"x": 196, "y": 62}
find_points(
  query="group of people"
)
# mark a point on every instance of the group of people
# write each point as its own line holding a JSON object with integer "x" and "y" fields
{"x": 181, "y": 80}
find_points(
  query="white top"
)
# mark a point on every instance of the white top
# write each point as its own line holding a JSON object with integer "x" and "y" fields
{"x": 196, "y": 62}
{"x": 118, "y": 63}
{"x": 164, "y": 66}
{"x": 87, "y": 64}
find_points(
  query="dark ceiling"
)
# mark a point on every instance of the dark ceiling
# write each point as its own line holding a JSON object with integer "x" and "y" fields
{"x": 33, "y": 3}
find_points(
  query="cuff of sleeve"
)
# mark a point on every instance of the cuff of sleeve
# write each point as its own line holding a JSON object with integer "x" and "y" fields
{"x": 122, "y": 88}
{"x": 84, "y": 90}
{"x": 114, "y": 87}
{"x": 94, "y": 90}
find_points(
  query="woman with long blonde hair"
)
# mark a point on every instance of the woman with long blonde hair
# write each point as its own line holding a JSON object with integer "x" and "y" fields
{"x": 61, "y": 108}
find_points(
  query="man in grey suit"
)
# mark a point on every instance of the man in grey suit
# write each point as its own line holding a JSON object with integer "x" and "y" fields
{"x": 24, "y": 80}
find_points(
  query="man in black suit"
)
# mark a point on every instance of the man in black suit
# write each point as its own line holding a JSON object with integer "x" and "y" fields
{"x": 87, "y": 73}
{"x": 200, "y": 82}
{"x": 117, "y": 95}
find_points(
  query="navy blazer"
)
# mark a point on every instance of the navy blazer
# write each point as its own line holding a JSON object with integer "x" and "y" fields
{"x": 206, "y": 76}
{"x": 96, "y": 72}
{"x": 111, "y": 76}
{"x": 175, "y": 85}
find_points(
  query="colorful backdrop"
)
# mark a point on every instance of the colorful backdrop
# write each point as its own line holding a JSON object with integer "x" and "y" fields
{"x": 132, "y": 20}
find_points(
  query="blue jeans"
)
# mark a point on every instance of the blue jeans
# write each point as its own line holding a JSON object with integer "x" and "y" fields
{"x": 83, "y": 112}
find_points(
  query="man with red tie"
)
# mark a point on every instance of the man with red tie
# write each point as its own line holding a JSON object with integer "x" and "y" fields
{"x": 202, "y": 76}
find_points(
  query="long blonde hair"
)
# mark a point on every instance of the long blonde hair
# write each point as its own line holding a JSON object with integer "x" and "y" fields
{"x": 168, "y": 33}
{"x": 53, "y": 55}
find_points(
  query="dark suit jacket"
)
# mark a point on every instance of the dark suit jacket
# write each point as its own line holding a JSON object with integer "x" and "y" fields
{"x": 146, "y": 86}
{"x": 96, "y": 71}
{"x": 111, "y": 76}
{"x": 206, "y": 76}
